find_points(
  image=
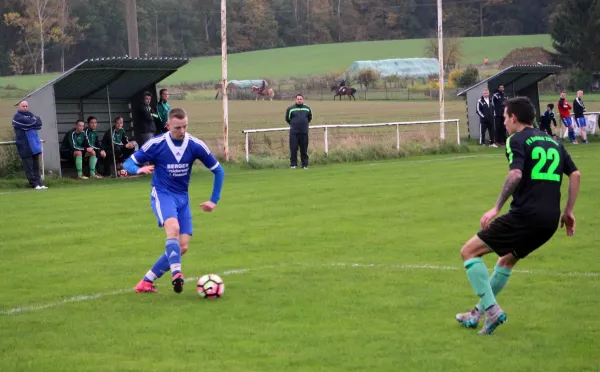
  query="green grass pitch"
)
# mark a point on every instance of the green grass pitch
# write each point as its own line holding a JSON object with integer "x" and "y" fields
{"x": 350, "y": 267}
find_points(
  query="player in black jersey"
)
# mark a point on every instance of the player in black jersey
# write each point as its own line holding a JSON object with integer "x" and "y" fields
{"x": 537, "y": 163}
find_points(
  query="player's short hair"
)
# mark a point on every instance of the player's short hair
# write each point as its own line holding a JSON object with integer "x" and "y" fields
{"x": 147, "y": 94}
{"x": 162, "y": 91}
{"x": 90, "y": 118}
{"x": 551, "y": 106}
{"x": 177, "y": 113}
{"x": 117, "y": 118}
{"x": 299, "y": 95}
{"x": 79, "y": 121}
{"x": 522, "y": 108}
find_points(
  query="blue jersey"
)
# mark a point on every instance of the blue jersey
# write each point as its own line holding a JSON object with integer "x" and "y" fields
{"x": 173, "y": 161}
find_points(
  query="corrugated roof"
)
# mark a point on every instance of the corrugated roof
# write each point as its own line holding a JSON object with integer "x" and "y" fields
{"x": 124, "y": 76}
{"x": 518, "y": 75}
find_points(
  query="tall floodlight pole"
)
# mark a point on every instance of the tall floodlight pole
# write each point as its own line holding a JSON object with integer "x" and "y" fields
{"x": 132, "y": 29}
{"x": 441, "y": 59}
{"x": 224, "y": 78}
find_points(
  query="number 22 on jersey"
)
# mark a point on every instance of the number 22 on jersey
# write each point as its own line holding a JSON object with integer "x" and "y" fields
{"x": 545, "y": 156}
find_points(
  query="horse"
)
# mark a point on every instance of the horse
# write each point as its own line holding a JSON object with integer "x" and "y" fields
{"x": 266, "y": 92}
{"x": 348, "y": 91}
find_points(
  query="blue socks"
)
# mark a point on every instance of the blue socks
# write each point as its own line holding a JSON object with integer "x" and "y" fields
{"x": 174, "y": 255}
{"x": 160, "y": 267}
{"x": 572, "y": 135}
{"x": 171, "y": 260}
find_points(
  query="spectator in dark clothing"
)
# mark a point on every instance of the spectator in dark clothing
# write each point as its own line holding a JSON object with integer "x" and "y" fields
{"x": 120, "y": 145}
{"x": 579, "y": 111}
{"x": 145, "y": 125}
{"x": 485, "y": 110}
{"x": 298, "y": 116}
{"x": 29, "y": 145}
{"x": 548, "y": 118}
{"x": 498, "y": 102}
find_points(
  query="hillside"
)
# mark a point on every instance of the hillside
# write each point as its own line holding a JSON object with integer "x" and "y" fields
{"x": 317, "y": 59}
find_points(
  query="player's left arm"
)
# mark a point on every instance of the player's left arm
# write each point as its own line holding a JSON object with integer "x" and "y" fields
{"x": 202, "y": 152}
{"x": 570, "y": 169}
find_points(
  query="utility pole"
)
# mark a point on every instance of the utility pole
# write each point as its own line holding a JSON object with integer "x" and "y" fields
{"x": 132, "y": 29}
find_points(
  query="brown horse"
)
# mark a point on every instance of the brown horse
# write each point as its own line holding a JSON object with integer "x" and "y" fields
{"x": 343, "y": 91}
{"x": 268, "y": 92}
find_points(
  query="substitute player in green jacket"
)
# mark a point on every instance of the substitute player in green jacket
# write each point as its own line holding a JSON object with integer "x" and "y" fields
{"x": 537, "y": 163}
{"x": 75, "y": 145}
{"x": 94, "y": 141}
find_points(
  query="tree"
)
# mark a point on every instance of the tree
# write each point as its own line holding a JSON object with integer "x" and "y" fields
{"x": 452, "y": 50}
{"x": 575, "y": 32}
{"x": 38, "y": 22}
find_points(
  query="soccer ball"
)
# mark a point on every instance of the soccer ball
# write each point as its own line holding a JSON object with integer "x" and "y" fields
{"x": 122, "y": 173}
{"x": 210, "y": 286}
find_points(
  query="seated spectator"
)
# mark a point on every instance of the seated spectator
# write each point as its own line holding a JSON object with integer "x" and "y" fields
{"x": 94, "y": 141}
{"x": 75, "y": 145}
{"x": 121, "y": 146}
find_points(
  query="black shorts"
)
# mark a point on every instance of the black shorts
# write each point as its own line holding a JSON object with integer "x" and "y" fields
{"x": 510, "y": 234}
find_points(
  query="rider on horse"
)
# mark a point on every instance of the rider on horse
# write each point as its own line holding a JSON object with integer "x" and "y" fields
{"x": 342, "y": 87}
{"x": 263, "y": 86}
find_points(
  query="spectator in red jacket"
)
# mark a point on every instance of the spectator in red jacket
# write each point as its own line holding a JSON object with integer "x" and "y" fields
{"x": 564, "y": 110}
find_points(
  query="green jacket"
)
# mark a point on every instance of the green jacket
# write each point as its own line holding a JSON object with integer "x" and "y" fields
{"x": 163, "y": 109}
{"x": 119, "y": 138}
{"x": 74, "y": 141}
{"x": 93, "y": 139}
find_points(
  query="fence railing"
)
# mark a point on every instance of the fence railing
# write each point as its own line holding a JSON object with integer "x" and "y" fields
{"x": 8, "y": 143}
{"x": 332, "y": 126}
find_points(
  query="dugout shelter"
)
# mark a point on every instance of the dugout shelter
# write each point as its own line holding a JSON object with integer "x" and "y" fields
{"x": 518, "y": 80}
{"x": 100, "y": 87}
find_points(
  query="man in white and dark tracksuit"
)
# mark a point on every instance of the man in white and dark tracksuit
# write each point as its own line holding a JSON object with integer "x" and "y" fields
{"x": 579, "y": 112}
{"x": 485, "y": 110}
{"x": 298, "y": 116}
{"x": 498, "y": 102}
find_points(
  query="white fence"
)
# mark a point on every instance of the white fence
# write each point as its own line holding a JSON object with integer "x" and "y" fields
{"x": 8, "y": 143}
{"x": 332, "y": 126}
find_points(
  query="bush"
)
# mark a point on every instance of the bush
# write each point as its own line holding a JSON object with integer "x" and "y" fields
{"x": 469, "y": 77}
{"x": 10, "y": 162}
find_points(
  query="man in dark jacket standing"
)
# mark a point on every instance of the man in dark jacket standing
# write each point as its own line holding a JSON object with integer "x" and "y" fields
{"x": 145, "y": 126}
{"x": 485, "y": 110}
{"x": 498, "y": 102}
{"x": 298, "y": 116}
{"x": 29, "y": 145}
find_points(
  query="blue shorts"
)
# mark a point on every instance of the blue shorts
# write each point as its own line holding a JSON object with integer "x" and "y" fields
{"x": 581, "y": 122}
{"x": 567, "y": 122}
{"x": 168, "y": 205}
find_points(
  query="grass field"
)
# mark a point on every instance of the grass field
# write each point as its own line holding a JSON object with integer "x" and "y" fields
{"x": 316, "y": 59}
{"x": 350, "y": 267}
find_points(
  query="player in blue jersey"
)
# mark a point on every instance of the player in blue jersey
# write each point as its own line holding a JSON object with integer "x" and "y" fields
{"x": 173, "y": 154}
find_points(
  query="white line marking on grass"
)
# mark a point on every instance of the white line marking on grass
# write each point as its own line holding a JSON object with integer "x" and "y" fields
{"x": 30, "y": 308}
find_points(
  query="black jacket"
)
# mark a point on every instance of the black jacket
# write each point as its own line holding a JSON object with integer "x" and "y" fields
{"x": 298, "y": 117}
{"x": 485, "y": 111}
{"x": 578, "y": 108}
{"x": 145, "y": 122}
{"x": 498, "y": 101}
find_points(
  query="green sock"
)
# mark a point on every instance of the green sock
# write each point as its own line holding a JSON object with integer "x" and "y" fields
{"x": 93, "y": 161}
{"x": 79, "y": 165}
{"x": 498, "y": 280}
{"x": 480, "y": 281}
